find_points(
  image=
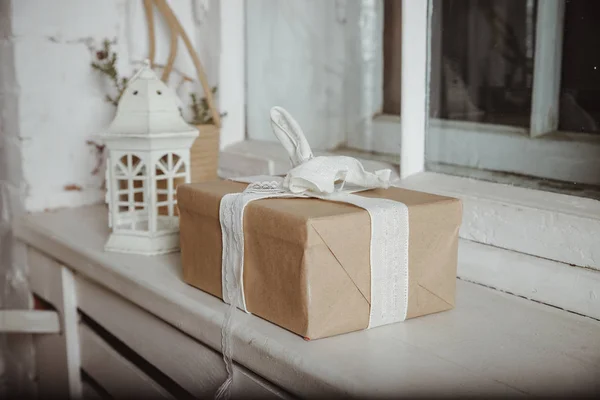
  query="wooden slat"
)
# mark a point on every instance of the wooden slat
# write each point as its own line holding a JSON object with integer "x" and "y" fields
{"x": 113, "y": 372}
{"x": 392, "y": 57}
{"x": 547, "y": 67}
{"x": 193, "y": 366}
{"x": 13, "y": 321}
{"x": 57, "y": 356}
{"x": 88, "y": 392}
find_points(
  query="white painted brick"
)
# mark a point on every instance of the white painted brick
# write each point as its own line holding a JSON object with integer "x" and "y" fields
{"x": 16, "y": 287}
{"x": 7, "y": 66}
{"x": 66, "y": 133}
{"x": 61, "y": 99}
{"x": 11, "y": 202}
{"x": 37, "y": 202}
{"x": 65, "y": 20}
{"x": 64, "y": 114}
{"x": 19, "y": 257}
{"x": 5, "y": 20}
{"x": 4, "y": 208}
{"x": 11, "y": 170}
{"x": 46, "y": 170}
{"x": 59, "y": 69}
{"x": 9, "y": 124}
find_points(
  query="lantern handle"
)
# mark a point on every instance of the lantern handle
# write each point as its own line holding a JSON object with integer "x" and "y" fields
{"x": 177, "y": 30}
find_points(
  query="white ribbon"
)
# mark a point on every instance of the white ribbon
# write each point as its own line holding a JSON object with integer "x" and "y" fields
{"x": 324, "y": 178}
{"x": 321, "y": 174}
{"x": 331, "y": 179}
{"x": 388, "y": 247}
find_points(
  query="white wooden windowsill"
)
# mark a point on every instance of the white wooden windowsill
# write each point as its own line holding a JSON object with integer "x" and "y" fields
{"x": 492, "y": 343}
{"x": 567, "y": 156}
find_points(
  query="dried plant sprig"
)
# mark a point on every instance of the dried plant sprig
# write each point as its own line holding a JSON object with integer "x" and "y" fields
{"x": 106, "y": 63}
{"x": 201, "y": 114}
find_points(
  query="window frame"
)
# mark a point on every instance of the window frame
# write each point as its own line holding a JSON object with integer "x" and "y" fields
{"x": 552, "y": 226}
{"x": 541, "y": 151}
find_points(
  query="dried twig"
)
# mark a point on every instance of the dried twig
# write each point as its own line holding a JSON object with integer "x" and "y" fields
{"x": 201, "y": 113}
{"x": 106, "y": 63}
{"x": 184, "y": 77}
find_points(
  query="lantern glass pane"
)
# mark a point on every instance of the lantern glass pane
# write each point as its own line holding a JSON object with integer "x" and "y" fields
{"x": 170, "y": 171}
{"x": 132, "y": 194}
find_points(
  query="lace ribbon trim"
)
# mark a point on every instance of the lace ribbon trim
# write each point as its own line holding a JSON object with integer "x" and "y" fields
{"x": 389, "y": 256}
{"x": 231, "y": 216}
{"x": 388, "y": 248}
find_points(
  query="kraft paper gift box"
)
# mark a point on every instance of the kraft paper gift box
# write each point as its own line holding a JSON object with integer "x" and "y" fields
{"x": 307, "y": 261}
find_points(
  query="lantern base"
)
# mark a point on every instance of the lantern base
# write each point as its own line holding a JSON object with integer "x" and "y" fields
{"x": 144, "y": 245}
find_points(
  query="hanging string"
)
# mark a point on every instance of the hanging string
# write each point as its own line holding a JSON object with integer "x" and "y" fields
{"x": 224, "y": 391}
{"x": 172, "y": 48}
{"x": 176, "y": 30}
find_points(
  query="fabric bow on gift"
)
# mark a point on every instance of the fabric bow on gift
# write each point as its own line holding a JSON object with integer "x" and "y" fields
{"x": 320, "y": 175}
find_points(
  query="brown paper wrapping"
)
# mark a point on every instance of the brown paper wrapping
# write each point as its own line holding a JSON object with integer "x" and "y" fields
{"x": 306, "y": 261}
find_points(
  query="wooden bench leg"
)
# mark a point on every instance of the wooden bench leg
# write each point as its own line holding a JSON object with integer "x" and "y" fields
{"x": 57, "y": 355}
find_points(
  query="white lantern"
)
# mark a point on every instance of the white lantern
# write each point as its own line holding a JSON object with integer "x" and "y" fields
{"x": 148, "y": 146}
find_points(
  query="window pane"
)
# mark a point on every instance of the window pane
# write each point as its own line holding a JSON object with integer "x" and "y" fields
{"x": 482, "y": 60}
{"x": 482, "y": 75}
{"x": 580, "y": 80}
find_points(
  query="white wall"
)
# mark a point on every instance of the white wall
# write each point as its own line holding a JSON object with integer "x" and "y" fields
{"x": 52, "y": 105}
{"x": 61, "y": 99}
{"x": 308, "y": 56}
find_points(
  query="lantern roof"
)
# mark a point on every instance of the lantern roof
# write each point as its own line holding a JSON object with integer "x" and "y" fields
{"x": 148, "y": 107}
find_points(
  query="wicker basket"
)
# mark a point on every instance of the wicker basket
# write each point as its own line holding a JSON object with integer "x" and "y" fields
{"x": 204, "y": 154}
{"x": 204, "y": 160}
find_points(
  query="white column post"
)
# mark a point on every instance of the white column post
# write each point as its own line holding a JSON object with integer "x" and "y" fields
{"x": 547, "y": 61}
{"x": 151, "y": 201}
{"x": 415, "y": 68}
{"x": 113, "y": 155}
{"x": 232, "y": 71}
{"x": 170, "y": 184}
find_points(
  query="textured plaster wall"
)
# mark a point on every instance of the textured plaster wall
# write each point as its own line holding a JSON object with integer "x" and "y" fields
{"x": 52, "y": 105}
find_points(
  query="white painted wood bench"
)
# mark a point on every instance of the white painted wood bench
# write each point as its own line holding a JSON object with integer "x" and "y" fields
{"x": 133, "y": 327}
{"x": 24, "y": 321}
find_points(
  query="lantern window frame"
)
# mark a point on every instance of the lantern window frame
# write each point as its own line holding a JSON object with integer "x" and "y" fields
{"x": 147, "y": 142}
